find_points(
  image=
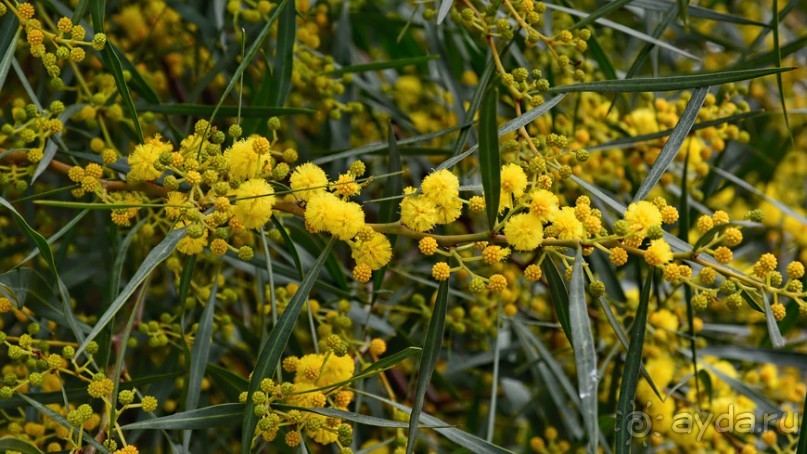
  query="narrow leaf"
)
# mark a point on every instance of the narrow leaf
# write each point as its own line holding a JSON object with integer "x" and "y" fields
{"x": 602, "y": 11}
{"x": 203, "y": 110}
{"x": 630, "y": 372}
{"x": 9, "y": 444}
{"x": 200, "y": 354}
{"x": 275, "y": 344}
{"x": 156, "y": 256}
{"x": 113, "y": 65}
{"x": 490, "y": 160}
{"x": 379, "y": 65}
{"x": 284, "y": 55}
{"x": 773, "y": 328}
{"x": 391, "y": 360}
{"x": 352, "y": 416}
{"x": 8, "y": 42}
{"x": 670, "y": 149}
{"x": 445, "y": 8}
{"x": 585, "y": 355}
{"x": 668, "y": 83}
{"x": 428, "y": 360}
{"x": 203, "y": 418}
{"x": 60, "y": 420}
{"x": 557, "y": 291}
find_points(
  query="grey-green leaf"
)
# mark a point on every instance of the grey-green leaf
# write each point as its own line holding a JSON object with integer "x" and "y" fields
{"x": 670, "y": 149}
{"x": 203, "y": 418}
{"x": 275, "y": 344}
{"x": 156, "y": 256}
{"x": 428, "y": 360}
{"x": 490, "y": 160}
{"x": 585, "y": 354}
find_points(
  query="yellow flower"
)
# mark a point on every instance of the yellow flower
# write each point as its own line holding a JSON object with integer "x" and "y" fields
{"x": 641, "y": 215}
{"x": 174, "y": 203}
{"x": 253, "y": 207}
{"x": 345, "y": 221}
{"x": 524, "y": 232}
{"x": 308, "y": 179}
{"x": 319, "y": 207}
{"x": 643, "y": 121}
{"x": 374, "y": 252}
{"x": 244, "y": 162}
{"x": 310, "y": 369}
{"x": 658, "y": 253}
{"x": 450, "y": 212}
{"x": 418, "y": 213}
{"x": 142, "y": 159}
{"x": 566, "y": 225}
{"x": 192, "y": 246}
{"x": 544, "y": 204}
{"x": 513, "y": 182}
{"x": 322, "y": 435}
{"x": 441, "y": 187}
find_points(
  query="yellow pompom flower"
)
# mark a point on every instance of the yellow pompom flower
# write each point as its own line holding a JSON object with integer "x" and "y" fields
{"x": 192, "y": 246}
{"x": 244, "y": 162}
{"x": 524, "y": 232}
{"x": 441, "y": 187}
{"x": 308, "y": 179}
{"x": 374, "y": 252}
{"x": 318, "y": 209}
{"x": 254, "y": 201}
{"x": 642, "y": 215}
{"x": 174, "y": 204}
{"x": 513, "y": 182}
{"x": 566, "y": 225}
{"x": 345, "y": 220}
{"x": 418, "y": 213}
{"x": 544, "y": 204}
{"x": 658, "y": 253}
{"x": 142, "y": 159}
{"x": 310, "y": 369}
{"x": 449, "y": 212}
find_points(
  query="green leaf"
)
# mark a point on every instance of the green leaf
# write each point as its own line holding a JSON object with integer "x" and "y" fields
{"x": 490, "y": 160}
{"x": 200, "y": 354}
{"x": 750, "y": 188}
{"x": 668, "y": 83}
{"x": 8, "y": 41}
{"x": 516, "y": 123}
{"x": 353, "y": 417}
{"x": 390, "y": 361}
{"x": 246, "y": 60}
{"x": 8, "y": 444}
{"x": 379, "y": 65}
{"x": 60, "y": 420}
{"x": 474, "y": 444}
{"x": 290, "y": 246}
{"x": 696, "y": 11}
{"x": 630, "y": 372}
{"x": 394, "y": 185}
{"x": 602, "y": 11}
{"x": 428, "y": 360}
{"x": 55, "y": 237}
{"x": 113, "y": 65}
{"x": 673, "y": 144}
{"x": 230, "y": 383}
{"x": 204, "y": 418}
{"x": 137, "y": 81}
{"x": 156, "y": 256}
{"x": 197, "y": 110}
{"x": 284, "y": 55}
{"x": 757, "y": 355}
{"x": 275, "y": 344}
{"x": 44, "y": 248}
{"x": 585, "y": 354}
{"x": 559, "y": 295}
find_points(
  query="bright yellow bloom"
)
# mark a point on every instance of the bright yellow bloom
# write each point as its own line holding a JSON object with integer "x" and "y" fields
{"x": 374, "y": 252}
{"x": 642, "y": 215}
{"x": 310, "y": 369}
{"x": 450, "y": 212}
{"x": 524, "y": 232}
{"x": 192, "y": 246}
{"x": 318, "y": 209}
{"x": 345, "y": 220}
{"x": 142, "y": 159}
{"x": 418, "y": 213}
{"x": 254, "y": 201}
{"x": 174, "y": 203}
{"x": 244, "y": 162}
{"x": 442, "y": 188}
{"x": 544, "y": 204}
{"x": 308, "y": 179}
{"x": 513, "y": 182}
{"x": 566, "y": 225}
{"x": 643, "y": 121}
{"x": 658, "y": 253}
